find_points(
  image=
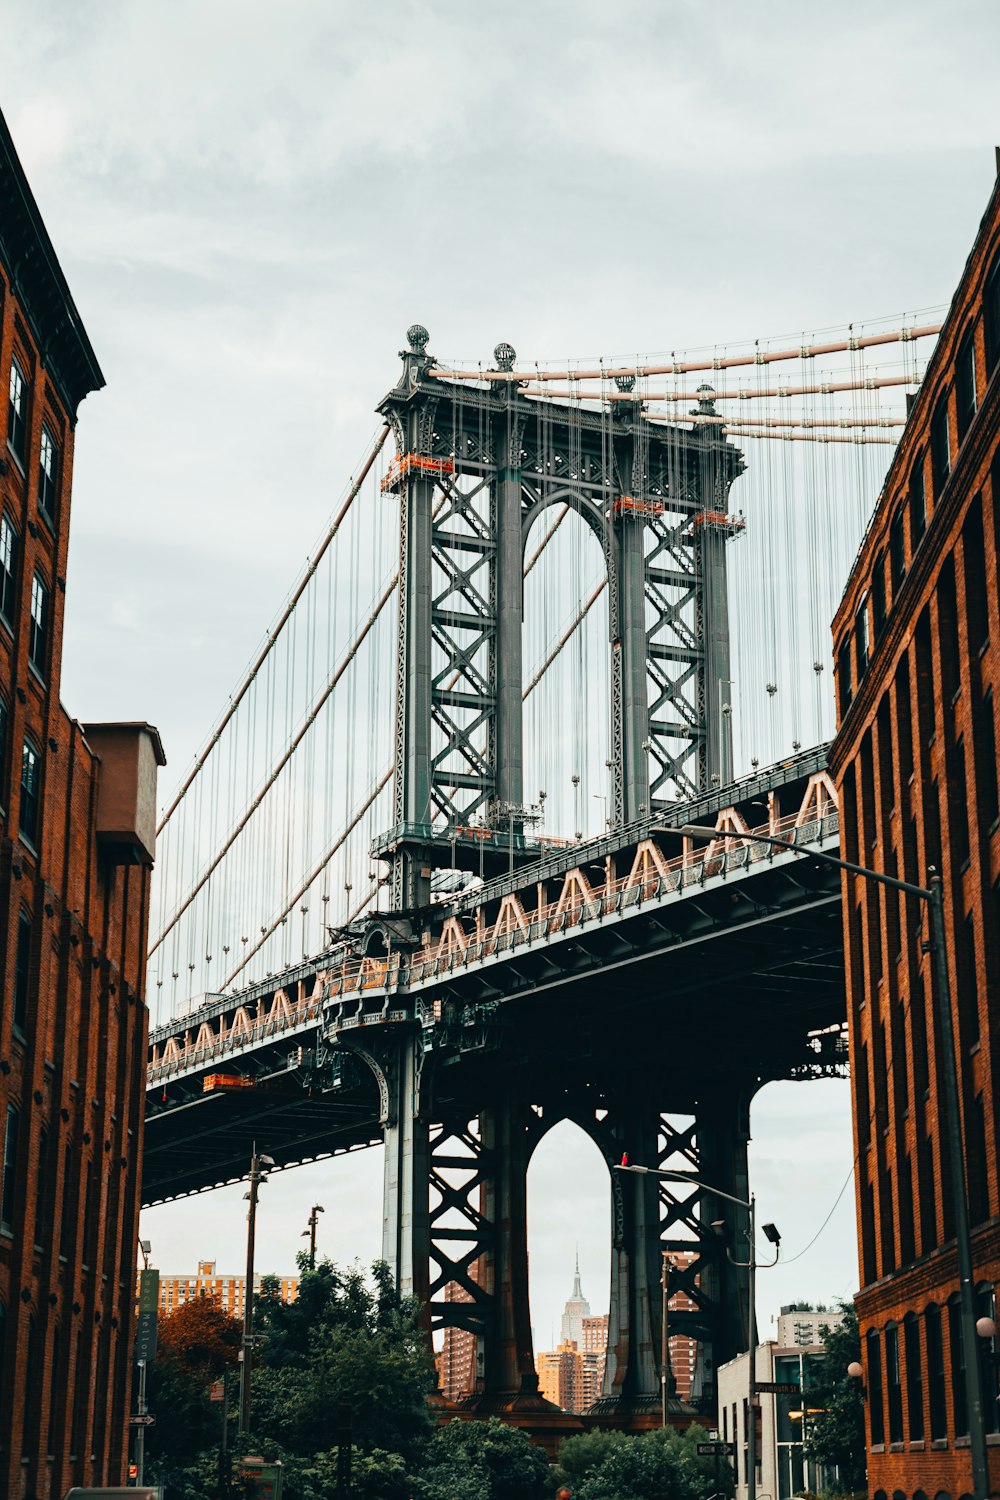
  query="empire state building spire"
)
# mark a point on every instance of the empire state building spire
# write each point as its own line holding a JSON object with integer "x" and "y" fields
{"x": 577, "y": 1308}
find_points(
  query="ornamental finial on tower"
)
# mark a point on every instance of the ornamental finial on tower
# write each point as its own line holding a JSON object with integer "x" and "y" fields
{"x": 417, "y": 337}
{"x": 505, "y": 355}
{"x": 625, "y": 383}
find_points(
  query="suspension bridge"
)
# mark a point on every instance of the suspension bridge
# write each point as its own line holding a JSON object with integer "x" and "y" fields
{"x": 426, "y": 883}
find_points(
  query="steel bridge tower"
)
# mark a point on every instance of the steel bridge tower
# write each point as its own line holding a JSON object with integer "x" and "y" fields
{"x": 474, "y": 468}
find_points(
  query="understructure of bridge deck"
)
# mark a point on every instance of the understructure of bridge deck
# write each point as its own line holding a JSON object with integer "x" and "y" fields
{"x": 642, "y": 985}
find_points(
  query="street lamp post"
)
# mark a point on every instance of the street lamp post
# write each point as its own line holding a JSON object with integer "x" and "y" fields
{"x": 933, "y": 895}
{"x": 750, "y": 1266}
{"x": 257, "y": 1176}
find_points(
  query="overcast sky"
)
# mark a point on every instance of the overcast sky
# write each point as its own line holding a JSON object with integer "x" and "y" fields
{"x": 253, "y": 200}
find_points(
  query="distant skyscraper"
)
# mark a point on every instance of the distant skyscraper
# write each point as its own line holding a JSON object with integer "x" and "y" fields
{"x": 576, "y": 1309}
{"x": 572, "y": 1375}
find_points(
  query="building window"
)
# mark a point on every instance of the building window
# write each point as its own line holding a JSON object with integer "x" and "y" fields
{"x": 4, "y": 727}
{"x": 991, "y": 317}
{"x": 914, "y": 1378}
{"x": 958, "y": 1401}
{"x": 862, "y": 635}
{"x": 986, "y": 1308}
{"x": 844, "y": 689}
{"x": 987, "y": 790}
{"x": 31, "y": 776}
{"x": 38, "y": 640}
{"x": 897, "y": 552}
{"x": 935, "y": 1371}
{"x": 893, "y": 1384}
{"x": 918, "y": 503}
{"x": 9, "y": 1170}
{"x": 22, "y": 971}
{"x": 42, "y": 1192}
{"x": 878, "y": 596}
{"x": 48, "y": 473}
{"x": 8, "y": 569}
{"x": 875, "y": 1387}
{"x": 965, "y": 385}
{"x": 940, "y": 446}
{"x": 17, "y": 412}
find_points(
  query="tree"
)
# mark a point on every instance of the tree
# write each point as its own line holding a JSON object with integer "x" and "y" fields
{"x": 197, "y": 1342}
{"x": 481, "y": 1461}
{"x": 662, "y": 1465}
{"x": 837, "y": 1433}
{"x": 349, "y": 1352}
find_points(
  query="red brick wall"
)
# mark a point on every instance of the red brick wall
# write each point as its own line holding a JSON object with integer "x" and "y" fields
{"x": 75, "y": 1071}
{"x": 916, "y": 769}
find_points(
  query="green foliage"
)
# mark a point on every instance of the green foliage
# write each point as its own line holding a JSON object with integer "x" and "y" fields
{"x": 348, "y": 1351}
{"x": 837, "y": 1436}
{"x": 481, "y": 1461}
{"x": 197, "y": 1343}
{"x": 662, "y": 1465}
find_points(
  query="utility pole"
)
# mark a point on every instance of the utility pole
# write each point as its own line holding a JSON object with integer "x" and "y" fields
{"x": 665, "y": 1370}
{"x": 310, "y": 1233}
{"x": 257, "y": 1175}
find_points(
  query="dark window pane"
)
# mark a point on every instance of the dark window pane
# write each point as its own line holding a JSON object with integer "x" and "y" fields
{"x": 17, "y": 412}
{"x": 935, "y": 1372}
{"x": 965, "y": 384}
{"x": 875, "y": 1386}
{"x": 914, "y": 1378}
{"x": 986, "y": 1308}
{"x": 4, "y": 727}
{"x": 8, "y": 570}
{"x": 959, "y": 1404}
{"x": 991, "y": 317}
{"x": 9, "y": 1169}
{"x": 38, "y": 640}
{"x": 22, "y": 971}
{"x": 30, "y": 788}
{"x": 893, "y": 1385}
{"x": 918, "y": 503}
{"x": 844, "y": 689}
{"x": 42, "y": 1189}
{"x": 878, "y": 596}
{"x": 897, "y": 553}
{"x": 974, "y": 568}
{"x": 940, "y": 446}
{"x": 987, "y": 790}
{"x": 48, "y": 473}
{"x": 861, "y": 636}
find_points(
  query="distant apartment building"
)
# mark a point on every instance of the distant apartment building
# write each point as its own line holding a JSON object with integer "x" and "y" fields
{"x": 803, "y": 1327}
{"x": 683, "y": 1350}
{"x": 228, "y": 1291}
{"x": 456, "y": 1360}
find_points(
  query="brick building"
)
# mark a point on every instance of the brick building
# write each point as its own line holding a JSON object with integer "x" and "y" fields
{"x": 77, "y": 820}
{"x": 917, "y": 644}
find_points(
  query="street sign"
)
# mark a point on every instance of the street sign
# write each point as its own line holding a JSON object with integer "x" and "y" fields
{"x": 715, "y": 1450}
{"x": 778, "y": 1388}
{"x": 217, "y": 1390}
{"x": 145, "y": 1338}
{"x": 141, "y": 1421}
{"x": 149, "y": 1291}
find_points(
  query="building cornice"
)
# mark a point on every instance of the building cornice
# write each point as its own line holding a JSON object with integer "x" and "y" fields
{"x": 41, "y": 289}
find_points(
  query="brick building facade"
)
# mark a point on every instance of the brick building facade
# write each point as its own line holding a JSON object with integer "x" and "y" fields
{"x": 917, "y": 646}
{"x": 77, "y": 824}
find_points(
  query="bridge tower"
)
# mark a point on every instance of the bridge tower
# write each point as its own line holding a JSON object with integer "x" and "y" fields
{"x": 475, "y": 464}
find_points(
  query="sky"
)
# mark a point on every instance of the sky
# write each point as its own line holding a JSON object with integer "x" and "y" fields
{"x": 252, "y": 201}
